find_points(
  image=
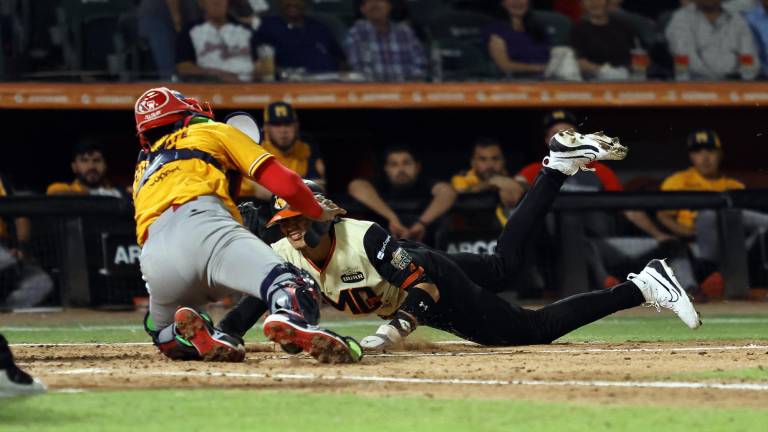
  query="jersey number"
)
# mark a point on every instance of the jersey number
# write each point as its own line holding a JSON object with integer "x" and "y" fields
{"x": 359, "y": 301}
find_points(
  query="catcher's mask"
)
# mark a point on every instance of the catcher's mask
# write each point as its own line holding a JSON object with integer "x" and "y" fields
{"x": 282, "y": 211}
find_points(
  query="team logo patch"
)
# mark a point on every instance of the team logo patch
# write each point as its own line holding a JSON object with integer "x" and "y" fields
{"x": 400, "y": 259}
{"x": 280, "y": 204}
{"x": 152, "y": 101}
{"x": 352, "y": 277}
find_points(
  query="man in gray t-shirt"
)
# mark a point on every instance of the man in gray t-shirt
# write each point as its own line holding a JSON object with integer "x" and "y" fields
{"x": 713, "y": 39}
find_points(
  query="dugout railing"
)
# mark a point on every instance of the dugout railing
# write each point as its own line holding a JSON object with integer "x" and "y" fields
{"x": 87, "y": 244}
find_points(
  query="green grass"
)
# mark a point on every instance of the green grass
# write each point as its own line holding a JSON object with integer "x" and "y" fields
{"x": 759, "y": 373}
{"x": 241, "y": 409}
{"x": 245, "y": 410}
{"x": 661, "y": 327}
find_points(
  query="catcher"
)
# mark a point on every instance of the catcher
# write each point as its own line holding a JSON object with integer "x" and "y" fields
{"x": 362, "y": 270}
{"x": 194, "y": 247}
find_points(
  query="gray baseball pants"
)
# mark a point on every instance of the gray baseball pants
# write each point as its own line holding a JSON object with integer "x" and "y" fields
{"x": 197, "y": 253}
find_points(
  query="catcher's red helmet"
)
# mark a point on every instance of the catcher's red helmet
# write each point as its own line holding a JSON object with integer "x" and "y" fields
{"x": 162, "y": 106}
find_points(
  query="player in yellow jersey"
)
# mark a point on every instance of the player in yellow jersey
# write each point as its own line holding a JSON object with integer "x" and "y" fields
{"x": 194, "y": 247}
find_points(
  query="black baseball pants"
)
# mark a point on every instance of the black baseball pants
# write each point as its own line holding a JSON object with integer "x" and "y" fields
{"x": 468, "y": 306}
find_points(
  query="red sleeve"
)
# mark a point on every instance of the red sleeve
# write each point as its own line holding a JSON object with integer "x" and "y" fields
{"x": 288, "y": 185}
{"x": 529, "y": 172}
{"x": 608, "y": 178}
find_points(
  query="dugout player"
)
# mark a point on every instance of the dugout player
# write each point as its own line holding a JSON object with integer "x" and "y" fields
{"x": 194, "y": 247}
{"x": 361, "y": 269}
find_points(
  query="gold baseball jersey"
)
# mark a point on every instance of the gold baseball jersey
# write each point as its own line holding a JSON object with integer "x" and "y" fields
{"x": 180, "y": 181}
{"x": 366, "y": 272}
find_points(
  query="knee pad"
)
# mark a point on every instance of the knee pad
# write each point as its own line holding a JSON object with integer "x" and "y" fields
{"x": 169, "y": 343}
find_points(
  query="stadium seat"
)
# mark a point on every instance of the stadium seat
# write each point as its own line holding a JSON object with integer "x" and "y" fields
{"x": 644, "y": 27}
{"x": 463, "y": 61}
{"x": 466, "y": 27}
{"x": 422, "y": 11}
{"x": 334, "y": 24}
{"x": 341, "y": 9}
{"x": 556, "y": 26}
{"x": 90, "y": 29}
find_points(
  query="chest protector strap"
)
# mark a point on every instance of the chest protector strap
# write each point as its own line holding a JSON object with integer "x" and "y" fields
{"x": 158, "y": 159}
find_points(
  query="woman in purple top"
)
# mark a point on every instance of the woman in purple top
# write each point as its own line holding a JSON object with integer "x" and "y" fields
{"x": 516, "y": 45}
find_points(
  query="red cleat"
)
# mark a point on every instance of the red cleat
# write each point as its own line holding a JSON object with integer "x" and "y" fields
{"x": 212, "y": 344}
{"x": 324, "y": 345}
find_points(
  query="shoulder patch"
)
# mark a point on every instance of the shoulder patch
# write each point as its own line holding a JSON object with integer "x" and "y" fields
{"x": 380, "y": 254}
{"x": 400, "y": 259}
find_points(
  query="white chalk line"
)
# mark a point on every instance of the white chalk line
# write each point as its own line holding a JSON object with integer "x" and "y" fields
{"x": 447, "y": 381}
{"x": 332, "y": 324}
{"x": 490, "y": 352}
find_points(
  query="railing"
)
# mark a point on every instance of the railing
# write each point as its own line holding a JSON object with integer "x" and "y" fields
{"x": 24, "y": 95}
{"x": 95, "y": 259}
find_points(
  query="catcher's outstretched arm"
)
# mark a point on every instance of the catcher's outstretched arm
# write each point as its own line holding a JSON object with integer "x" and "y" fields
{"x": 288, "y": 185}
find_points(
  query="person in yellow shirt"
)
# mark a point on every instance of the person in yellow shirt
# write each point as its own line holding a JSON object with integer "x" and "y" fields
{"x": 90, "y": 169}
{"x": 705, "y": 151}
{"x": 488, "y": 173}
{"x": 706, "y": 155}
{"x": 194, "y": 246}
{"x": 281, "y": 128}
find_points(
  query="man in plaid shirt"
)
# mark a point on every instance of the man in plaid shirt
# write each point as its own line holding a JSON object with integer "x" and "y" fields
{"x": 383, "y": 50}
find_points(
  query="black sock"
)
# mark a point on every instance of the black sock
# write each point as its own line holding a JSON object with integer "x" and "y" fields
{"x": 243, "y": 316}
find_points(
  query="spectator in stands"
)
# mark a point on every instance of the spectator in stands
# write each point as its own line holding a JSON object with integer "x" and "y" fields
{"x": 740, "y": 6}
{"x": 248, "y": 12}
{"x": 712, "y": 38}
{"x": 383, "y": 50}
{"x": 18, "y": 268}
{"x": 403, "y": 182}
{"x": 160, "y": 22}
{"x": 217, "y": 49}
{"x": 90, "y": 171}
{"x": 600, "y": 254}
{"x": 281, "y": 129}
{"x": 488, "y": 172}
{"x": 517, "y": 45}
{"x": 602, "y": 42}
{"x": 757, "y": 17}
{"x": 300, "y": 42}
{"x": 706, "y": 155}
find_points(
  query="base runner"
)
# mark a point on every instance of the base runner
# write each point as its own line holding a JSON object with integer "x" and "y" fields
{"x": 362, "y": 270}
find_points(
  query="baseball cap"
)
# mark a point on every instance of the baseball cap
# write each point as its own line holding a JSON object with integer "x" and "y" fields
{"x": 279, "y": 113}
{"x": 703, "y": 139}
{"x": 559, "y": 116}
{"x": 86, "y": 146}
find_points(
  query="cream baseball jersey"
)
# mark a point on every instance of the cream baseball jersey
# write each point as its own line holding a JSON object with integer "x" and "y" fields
{"x": 366, "y": 272}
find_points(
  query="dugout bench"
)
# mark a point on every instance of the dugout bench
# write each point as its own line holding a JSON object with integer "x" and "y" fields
{"x": 89, "y": 245}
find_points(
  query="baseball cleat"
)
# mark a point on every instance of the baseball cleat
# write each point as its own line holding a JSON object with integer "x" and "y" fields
{"x": 324, "y": 345}
{"x": 14, "y": 381}
{"x": 212, "y": 344}
{"x": 570, "y": 151}
{"x": 661, "y": 289}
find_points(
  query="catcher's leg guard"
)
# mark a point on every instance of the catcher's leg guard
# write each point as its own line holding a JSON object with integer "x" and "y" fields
{"x": 169, "y": 343}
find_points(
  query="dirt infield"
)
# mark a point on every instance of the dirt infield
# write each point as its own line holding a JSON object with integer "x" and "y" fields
{"x": 606, "y": 373}
{"x": 627, "y": 373}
